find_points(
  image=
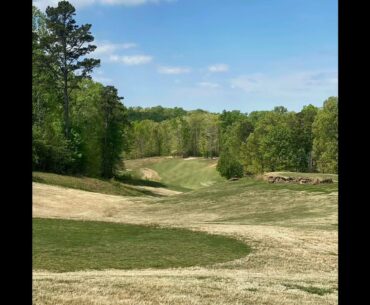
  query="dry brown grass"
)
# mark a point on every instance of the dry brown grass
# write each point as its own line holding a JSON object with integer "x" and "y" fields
{"x": 150, "y": 174}
{"x": 298, "y": 253}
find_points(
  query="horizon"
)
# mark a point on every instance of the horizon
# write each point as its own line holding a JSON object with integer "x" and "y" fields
{"x": 215, "y": 56}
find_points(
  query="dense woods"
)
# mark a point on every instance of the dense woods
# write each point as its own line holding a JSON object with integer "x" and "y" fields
{"x": 80, "y": 126}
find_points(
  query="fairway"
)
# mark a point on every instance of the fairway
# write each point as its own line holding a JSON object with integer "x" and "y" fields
{"x": 179, "y": 173}
{"x": 69, "y": 245}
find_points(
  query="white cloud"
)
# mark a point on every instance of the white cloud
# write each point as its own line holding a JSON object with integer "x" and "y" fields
{"x": 208, "y": 85}
{"x": 173, "y": 70}
{"x": 108, "y": 48}
{"x": 299, "y": 84}
{"x": 104, "y": 80}
{"x": 131, "y": 60}
{"x": 42, "y": 4}
{"x": 218, "y": 68}
{"x": 132, "y": 2}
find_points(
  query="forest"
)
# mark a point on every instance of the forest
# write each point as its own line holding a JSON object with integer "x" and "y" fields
{"x": 81, "y": 127}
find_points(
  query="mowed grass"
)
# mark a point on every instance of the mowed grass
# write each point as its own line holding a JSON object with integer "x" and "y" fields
{"x": 178, "y": 173}
{"x": 110, "y": 187}
{"x": 256, "y": 202}
{"x": 70, "y": 245}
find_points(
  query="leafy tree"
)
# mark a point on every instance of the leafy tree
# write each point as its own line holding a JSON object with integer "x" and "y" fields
{"x": 228, "y": 166}
{"x": 114, "y": 130}
{"x": 325, "y": 133}
{"x": 64, "y": 43}
{"x": 304, "y": 137}
{"x": 273, "y": 144}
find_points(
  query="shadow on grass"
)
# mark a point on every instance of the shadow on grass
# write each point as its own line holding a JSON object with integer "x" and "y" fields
{"x": 128, "y": 179}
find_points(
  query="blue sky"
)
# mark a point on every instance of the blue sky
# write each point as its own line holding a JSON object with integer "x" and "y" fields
{"x": 215, "y": 54}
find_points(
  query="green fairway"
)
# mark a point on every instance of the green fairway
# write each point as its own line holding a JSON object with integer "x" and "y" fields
{"x": 180, "y": 174}
{"x": 69, "y": 245}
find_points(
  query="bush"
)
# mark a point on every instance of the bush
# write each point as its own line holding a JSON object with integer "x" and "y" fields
{"x": 229, "y": 167}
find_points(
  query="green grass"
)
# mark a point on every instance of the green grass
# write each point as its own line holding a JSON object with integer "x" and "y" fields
{"x": 70, "y": 245}
{"x": 110, "y": 187}
{"x": 180, "y": 174}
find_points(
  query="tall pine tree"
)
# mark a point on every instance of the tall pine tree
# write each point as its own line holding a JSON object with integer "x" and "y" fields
{"x": 64, "y": 43}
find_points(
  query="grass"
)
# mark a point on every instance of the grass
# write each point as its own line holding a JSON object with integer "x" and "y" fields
{"x": 178, "y": 173}
{"x": 110, "y": 187}
{"x": 291, "y": 228}
{"x": 252, "y": 201}
{"x": 310, "y": 289}
{"x": 70, "y": 245}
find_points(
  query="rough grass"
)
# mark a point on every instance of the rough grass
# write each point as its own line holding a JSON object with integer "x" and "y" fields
{"x": 178, "y": 173}
{"x": 111, "y": 187}
{"x": 70, "y": 245}
{"x": 310, "y": 289}
{"x": 292, "y": 230}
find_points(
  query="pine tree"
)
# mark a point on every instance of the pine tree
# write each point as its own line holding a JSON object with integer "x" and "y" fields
{"x": 64, "y": 43}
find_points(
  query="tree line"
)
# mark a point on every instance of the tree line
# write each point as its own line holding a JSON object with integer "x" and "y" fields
{"x": 257, "y": 142}
{"x": 80, "y": 126}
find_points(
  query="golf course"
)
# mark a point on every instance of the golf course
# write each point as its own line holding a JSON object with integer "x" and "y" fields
{"x": 191, "y": 239}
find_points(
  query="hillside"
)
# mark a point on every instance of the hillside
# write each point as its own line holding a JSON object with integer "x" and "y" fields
{"x": 176, "y": 173}
{"x": 291, "y": 230}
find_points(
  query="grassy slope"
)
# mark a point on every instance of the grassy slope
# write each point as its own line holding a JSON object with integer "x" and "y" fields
{"x": 90, "y": 184}
{"x": 251, "y": 201}
{"x": 178, "y": 173}
{"x": 291, "y": 228}
{"x": 69, "y": 245}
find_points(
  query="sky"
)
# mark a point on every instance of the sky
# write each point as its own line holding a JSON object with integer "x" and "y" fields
{"x": 242, "y": 55}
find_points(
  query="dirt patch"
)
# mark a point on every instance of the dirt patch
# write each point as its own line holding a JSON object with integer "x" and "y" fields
{"x": 150, "y": 174}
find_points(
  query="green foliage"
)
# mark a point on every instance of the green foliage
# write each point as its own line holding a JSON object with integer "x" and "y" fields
{"x": 63, "y": 44}
{"x": 67, "y": 245}
{"x": 280, "y": 141}
{"x": 78, "y": 126}
{"x": 325, "y": 133}
{"x": 113, "y": 137}
{"x": 156, "y": 114}
{"x": 228, "y": 166}
{"x": 196, "y": 134}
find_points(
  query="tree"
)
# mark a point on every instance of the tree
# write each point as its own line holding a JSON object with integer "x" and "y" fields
{"x": 228, "y": 166}
{"x": 273, "y": 145}
{"x": 114, "y": 130}
{"x": 303, "y": 135}
{"x": 64, "y": 43}
{"x": 325, "y": 133}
